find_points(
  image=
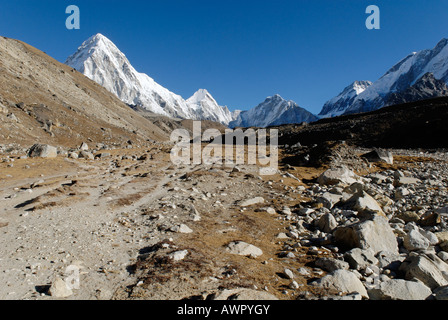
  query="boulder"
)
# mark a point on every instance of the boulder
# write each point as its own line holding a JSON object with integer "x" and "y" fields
{"x": 363, "y": 202}
{"x": 331, "y": 264}
{"x": 414, "y": 240}
{"x": 341, "y": 175}
{"x": 244, "y": 249}
{"x": 399, "y": 289}
{"x": 426, "y": 267}
{"x": 59, "y": 289}
{"x": 327, "y": 223}
{"x": 379, "y": 155}
{"x": 343, "y": 281}
{"x": 251, "y": 202}
{"x": 328, "y": 199}
{"x": 43, "y": 151}
{"x": 389, "y": 260}
{"x": 359, "y": 259}
{"x": 86, "y": 155}
{"x": 181, "y": 228}
{"x": 374, "y": 234}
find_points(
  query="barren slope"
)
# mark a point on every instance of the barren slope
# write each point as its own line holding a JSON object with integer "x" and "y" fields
{"x": 46, "y": 101}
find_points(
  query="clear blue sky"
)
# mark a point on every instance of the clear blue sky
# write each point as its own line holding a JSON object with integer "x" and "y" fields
{"x": 240, "y": 50}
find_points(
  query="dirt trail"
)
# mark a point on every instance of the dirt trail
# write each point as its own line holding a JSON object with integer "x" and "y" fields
{"x": 102, "y": 215}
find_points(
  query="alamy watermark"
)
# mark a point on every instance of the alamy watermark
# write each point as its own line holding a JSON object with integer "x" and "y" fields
{"x": 373, "y": 20}
{"x": 231, "y": 148}
{"x": 74, "y": 19}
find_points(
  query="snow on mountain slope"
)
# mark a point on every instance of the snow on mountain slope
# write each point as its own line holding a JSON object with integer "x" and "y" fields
{"x": 272, "y": 112}
{"x": 99, "y": 59}
{"x": 205, "y": 107}
{"x": 338, "y": 105}
{"x": 402, "y": 76}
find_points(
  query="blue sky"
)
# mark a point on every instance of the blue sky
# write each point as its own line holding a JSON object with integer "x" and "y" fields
{"x": 240, "y": 50}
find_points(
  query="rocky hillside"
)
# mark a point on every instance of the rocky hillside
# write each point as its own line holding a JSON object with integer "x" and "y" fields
{"x": 46, "y": 101}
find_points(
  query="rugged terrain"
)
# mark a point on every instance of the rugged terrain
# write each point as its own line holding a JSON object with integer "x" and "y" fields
{"x": 44, "y": 100}
{"x": 138, "y": 227}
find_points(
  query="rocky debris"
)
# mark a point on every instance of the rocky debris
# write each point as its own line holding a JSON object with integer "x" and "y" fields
{"x": 43, "y": 151}
{"x": 244, "y": 249}
{"x": 399, "y": 289}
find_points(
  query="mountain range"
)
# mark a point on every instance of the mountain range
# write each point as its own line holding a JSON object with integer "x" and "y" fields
{"x": 420, "y": 75}
{"x": 397, "y": 80}
{"x": 99, "y": 59}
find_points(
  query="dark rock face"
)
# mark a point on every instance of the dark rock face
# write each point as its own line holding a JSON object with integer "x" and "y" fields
{"x": 426, "y": 87}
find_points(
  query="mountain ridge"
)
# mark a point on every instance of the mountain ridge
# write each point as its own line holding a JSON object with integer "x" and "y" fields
{"x": 100, "y": 60}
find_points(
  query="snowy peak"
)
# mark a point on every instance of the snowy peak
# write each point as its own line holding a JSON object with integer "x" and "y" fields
{"x": 273, "y": 111}
{"x": 397, "y": 79}
{"x": 338, "y": 104}
{"x": 201, "y": 95}
{"x": 206, "y": 108}
{"x": 99, "y": 59}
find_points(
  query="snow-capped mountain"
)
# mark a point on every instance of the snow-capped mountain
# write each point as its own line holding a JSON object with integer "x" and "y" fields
{"x": 399, "y": 78}
{"x": 205, "y": 107}
{"x": 338, "y": 105}
{"x": 99, "y": 59}
{"x": 272, "y": 112}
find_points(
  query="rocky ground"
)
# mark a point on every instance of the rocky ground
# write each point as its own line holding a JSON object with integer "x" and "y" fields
{"x": 128, "y": 224}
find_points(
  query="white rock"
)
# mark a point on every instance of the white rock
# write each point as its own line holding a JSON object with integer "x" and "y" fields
{"x": 399, "y": 289}
{"x": 338, "y": 175}
{"x": 244, "y": 249}
{"x": 43, "y": 151}
{"x": 178, "y": 255}
{"x": 182, "y": 228}
{"x": 343, "y": 281}
{"x": 59, "y": 289}
{"x": 375, "y": 234}
{"x": 251, "y": 202}
{"x": 288, "y": 273}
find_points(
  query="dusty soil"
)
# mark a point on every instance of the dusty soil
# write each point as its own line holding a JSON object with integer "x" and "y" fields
{"x": 103, "y": 215}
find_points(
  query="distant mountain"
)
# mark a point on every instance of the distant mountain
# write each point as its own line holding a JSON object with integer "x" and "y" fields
{"x": 100, "y": 60}
{"x": 398, "y": 79}
{"x": 338, "y": 105}
{"x": 205, "y": 107}
{"x": 272, "y": 112}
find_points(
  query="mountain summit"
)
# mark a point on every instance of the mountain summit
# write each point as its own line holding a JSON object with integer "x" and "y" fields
{"x": 274, "y": 111}
{"x": 99, "y": 59}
